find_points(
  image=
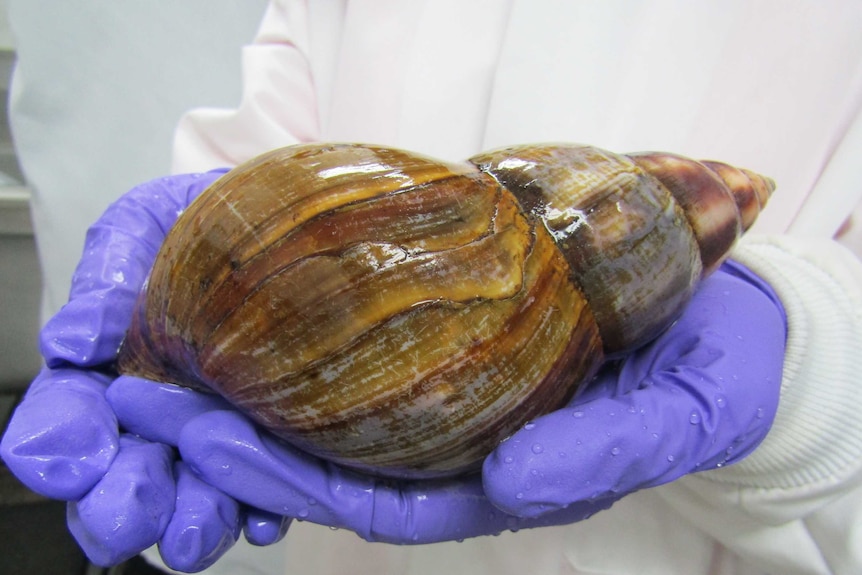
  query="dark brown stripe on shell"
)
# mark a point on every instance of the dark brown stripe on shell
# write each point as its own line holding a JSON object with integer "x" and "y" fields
{"x": 707, "y": 201}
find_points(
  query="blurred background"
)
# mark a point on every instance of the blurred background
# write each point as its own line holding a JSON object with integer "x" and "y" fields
{"x": 33, "y": 534}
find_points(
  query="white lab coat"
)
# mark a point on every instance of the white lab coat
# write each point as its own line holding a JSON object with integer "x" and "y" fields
{"x": 773, "y": 86}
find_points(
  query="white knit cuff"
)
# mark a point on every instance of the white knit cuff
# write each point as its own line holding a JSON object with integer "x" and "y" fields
{"x": 816, "y": 438}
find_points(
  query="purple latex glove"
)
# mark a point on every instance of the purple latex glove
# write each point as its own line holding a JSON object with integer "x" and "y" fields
{"x": 63, "y": 437}
{"x": 227, "y": 450}
{"x": 703, "y": 395}
{"x": 63, "y": 440}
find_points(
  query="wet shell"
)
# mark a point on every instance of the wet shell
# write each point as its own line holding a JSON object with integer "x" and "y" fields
{"x": 402, "y": 315}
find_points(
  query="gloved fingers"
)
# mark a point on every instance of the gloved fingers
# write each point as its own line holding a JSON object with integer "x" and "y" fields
{"x": 227, "y": 451}
{"x": 453, "y": 510}
{"x": 205, "y": 524}
{"x": 129, "y": 509}
{"x": 118, "y": 253}
{"x": 263, "y": 527}
{"x": 63, "y": 436}
{"x": 158, "y": 411}
{"x": 701, "y": 396}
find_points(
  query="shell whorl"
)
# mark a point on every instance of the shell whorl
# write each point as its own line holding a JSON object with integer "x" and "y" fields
{"x": 402, "y": 315}
{"x": 638, "y": 230}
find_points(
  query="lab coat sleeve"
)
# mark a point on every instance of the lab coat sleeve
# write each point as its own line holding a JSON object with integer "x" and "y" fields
{"x": 797, "y": 499}
{"x": 278, "y": 106}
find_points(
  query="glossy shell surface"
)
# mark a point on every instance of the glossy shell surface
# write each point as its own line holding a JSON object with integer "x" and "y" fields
{"x": 402, "y": 315}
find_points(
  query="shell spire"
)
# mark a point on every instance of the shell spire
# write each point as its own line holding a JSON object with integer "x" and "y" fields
{"x": 702, "y": 189}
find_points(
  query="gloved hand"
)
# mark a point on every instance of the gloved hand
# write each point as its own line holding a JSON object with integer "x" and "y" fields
{"x": 63, "y": 440}
{"x": 701, "y": 396}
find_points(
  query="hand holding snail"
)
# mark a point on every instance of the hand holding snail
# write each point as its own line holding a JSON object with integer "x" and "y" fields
{"x": 85, "y": 336}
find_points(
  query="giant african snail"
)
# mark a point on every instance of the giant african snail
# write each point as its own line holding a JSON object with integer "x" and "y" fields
{"x": 402, "y": 315}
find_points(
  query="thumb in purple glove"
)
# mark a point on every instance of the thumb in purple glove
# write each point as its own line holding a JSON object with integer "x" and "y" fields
{"x": 700, "y": 397}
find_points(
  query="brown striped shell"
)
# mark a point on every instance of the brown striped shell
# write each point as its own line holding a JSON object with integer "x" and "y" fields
{"x": 402, "y": 315}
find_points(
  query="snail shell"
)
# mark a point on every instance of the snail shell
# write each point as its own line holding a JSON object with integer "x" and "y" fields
{"x": 402, "y": 315}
